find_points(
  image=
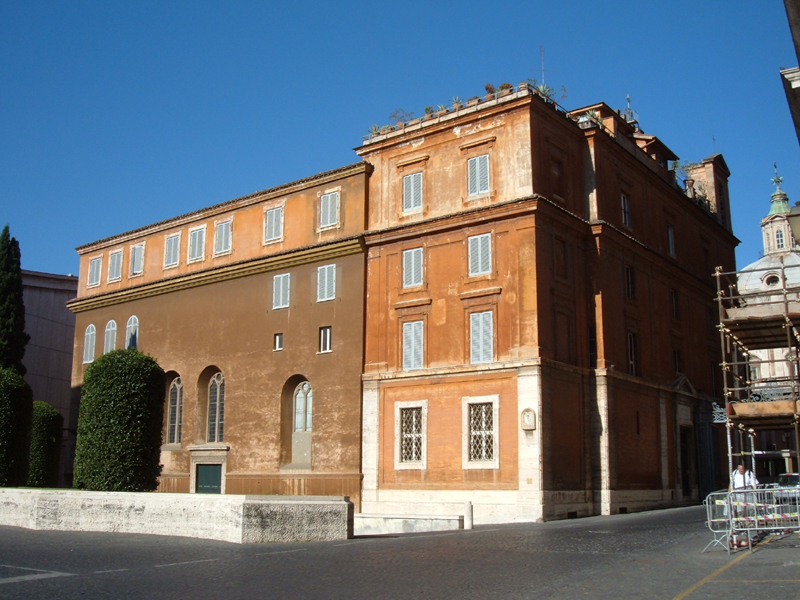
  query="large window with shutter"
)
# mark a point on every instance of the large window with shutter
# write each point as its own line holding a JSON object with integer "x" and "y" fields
{"x": 115, "y": 266}
{"x": 280, "y": 291}
{"x": 175, "y": 410}
{"x": 413, "y": 336}
{"x": 273, "y": 224}
{"x": 172, "y": 248}
{"x": 480, "y": 254}
{"x": 137, "y": 259}
{"x": 326, "y": 283}
{"x": 132, "y": 333}
{"x": 412, "y": 267}
{"x": 478, "y": 175}
{"x": 197, "y": 244}
{"x": 412, "y": 192}
{"x": 216, "y": 408}
{"x": 222, "y": 237}
{"x": 481, "y": 337}
{"x": 480, "y": 432}
{"x": 110, "y": 341}
{"x": 94, "y": 271}
{"x": 329, "y": 210}
{"x": 88, "y": 343}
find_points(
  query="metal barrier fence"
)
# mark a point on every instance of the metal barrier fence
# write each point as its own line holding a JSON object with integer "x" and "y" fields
{"x": 751, "y": 512}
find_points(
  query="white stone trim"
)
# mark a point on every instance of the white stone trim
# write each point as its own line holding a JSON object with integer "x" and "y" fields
{"x": 208, "y": 454}
{"x": 370, "y": 427}
{"x": 466, "y": 463}
{"x": 421, "y": 464}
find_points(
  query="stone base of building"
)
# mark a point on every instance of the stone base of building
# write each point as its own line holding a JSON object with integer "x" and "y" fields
{"x": 230, "y": 518}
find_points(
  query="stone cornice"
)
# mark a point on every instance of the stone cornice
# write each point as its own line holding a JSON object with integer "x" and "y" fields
{"x": 234, "y": 271}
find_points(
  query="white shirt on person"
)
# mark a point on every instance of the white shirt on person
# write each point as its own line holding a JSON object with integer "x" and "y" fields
{"x": 746, "y": 480}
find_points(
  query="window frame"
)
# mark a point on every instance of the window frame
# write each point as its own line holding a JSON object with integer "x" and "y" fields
{"x": 479, "y": 189}
{"x": 671, "y": 239}
{"x": 480, "y": 316}
{"x": 399, "y": 463}
{"x": 131, "y": 330}
{"x": 625, "y": 201}
{"x": 630, "y": 282}
{"x": 89, "y": 347}
{"x": 134, "y": 251}
{"x": 267, "y": 210}
{"x": 167, "y": 238}
{"x": 110, "y": 341}
{"x": 90, "y": 281}
{"x": 325, "y": 339}
{"x": 281, "y": 286}
{"x": 466, "y": 402}
{"x": 780, "y": 244}
{"x": 413, "y": 354}
{"x": 413, "y": 258}
{"x": 675, "y": 303}
{"x": 217, "y": 226}
{"x": 329, "y": 224}
{"x": 329, "y": 276}
{"x": 111, "y": 256}
{"x": 632, "y": 349}
{"x": 175, "y": 418}
{"x": 308, "y": 409}
{"x": 277, "y": 342}
{"x": 202, "y": 255}
{"x": 414, "y": 189}
{"x": 218, "y": 426}
{"x": 479, "y": 261}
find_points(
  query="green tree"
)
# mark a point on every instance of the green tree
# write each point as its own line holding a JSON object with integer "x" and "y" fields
{"x": 16, "y": 407}
{"x": 119, "y": 424}
{"x": 12, "y": 310}
{"x": 45, "y": 456}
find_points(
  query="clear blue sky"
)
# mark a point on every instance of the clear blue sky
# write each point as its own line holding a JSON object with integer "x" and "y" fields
{"x": 114, "y": 115}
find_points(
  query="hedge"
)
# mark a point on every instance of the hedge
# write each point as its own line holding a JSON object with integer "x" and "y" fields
{"x": 16, "y": 408}
{"x": 119, "y": 424}
{"x": 45, "y": 457}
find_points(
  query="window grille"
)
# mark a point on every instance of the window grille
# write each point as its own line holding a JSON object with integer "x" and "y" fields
{"x": 273, "y": 224}
{"x": 326, "y": 283}
{"x": 137, "y": 259}
{"x": 216, "y": 408}
{"x": 175, "y": 411}
{"x": 412, "y": 267}
{"x": 480, "y": 254}
{"x": 110, "y": 341}
{"x": 94, "y": 271}
{"x": 172, "y": 250}
{"x": 197, "y": 244}
{"x": 132, "y": 333}
{"x": 280, "y": 291}
{"x": 412, "y": 192}
{"x": 626, "y": 210}
{"x": 478, "y": 174}
{"x": 325, "y": 339}
{"x": 88, "y": 344}
{"x": 481, "y": 337}
{"x": 303, "y": 403}
{"x": 222, "y": 237}
{"x": 412, "y": 345}
{"x": 329, "y": 210}
{"x": 115, "y": 265}
{"x": 411, "y": 434}
{"x": 481, "y": 432}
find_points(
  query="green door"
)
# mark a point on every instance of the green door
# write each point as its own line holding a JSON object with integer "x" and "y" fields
{"x": 209, "y": 479}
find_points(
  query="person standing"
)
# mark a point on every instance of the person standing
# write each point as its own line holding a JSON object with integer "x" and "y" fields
{"x": 742, "y": 479}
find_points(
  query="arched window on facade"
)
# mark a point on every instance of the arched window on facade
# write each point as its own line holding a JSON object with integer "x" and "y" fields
{"x": 132, "y": 333}
{"x": 779, "y": 239}
{"x": 303, "y": 397}
{"x": 88, "y": 344}
{"x": 110, "y": 341}
{"x": 216, "y": 408}
{"x": 175, "y": 410}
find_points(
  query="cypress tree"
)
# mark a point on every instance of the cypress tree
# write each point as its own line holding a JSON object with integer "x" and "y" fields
{"x": 12, "y": 310}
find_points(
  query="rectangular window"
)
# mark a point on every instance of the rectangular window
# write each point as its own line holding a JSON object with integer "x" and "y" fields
{"x": 630, "y": 282}
{"x": 675, "y": 303}
{"x": 671, "y": 239}
{"x": 137, "y": 259}
{"x": 222, "y": 238}
{"x": 324, "y": 339}
{"x": 412, "y": 192}
{"x": 626, "y": 210}
{"x": 329, "y": 210}
{"x": 480, "y": 254}
{"x": 412, "y": 267}
{"x": 326, "y": 283}
{"x": 676, "y": 359}
{"x": 481, "y": 337}
{"x": 280, "y": 291}
{"x": 633, "y": 353}
{"x": 115, "y": 266}
{"x": 273, "y": 224}
{"x": 277, "y": 342}
{"x": 412, "y": 345}
{"x": 197, "y": 244}
{"x": 411, "y": 434}
{"x": 172, "y": 248}
{"x": 95, "y": 265}
{"x": 478, "y": 175}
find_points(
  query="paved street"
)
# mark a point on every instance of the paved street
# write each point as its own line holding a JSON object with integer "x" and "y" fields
{"x": 647, "y": 555}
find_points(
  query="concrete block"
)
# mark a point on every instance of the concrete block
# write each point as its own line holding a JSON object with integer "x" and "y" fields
{"x": 385, "y": 524}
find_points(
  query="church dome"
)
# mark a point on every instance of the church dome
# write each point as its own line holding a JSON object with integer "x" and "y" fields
{"x": 765, "y": 273}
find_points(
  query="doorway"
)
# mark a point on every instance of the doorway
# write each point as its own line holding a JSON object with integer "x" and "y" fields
{"x": 209, "y": 479}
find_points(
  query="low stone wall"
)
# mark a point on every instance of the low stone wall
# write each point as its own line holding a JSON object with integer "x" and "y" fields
{"x": 385, "y": 524}
{"x": 227, "y": 517}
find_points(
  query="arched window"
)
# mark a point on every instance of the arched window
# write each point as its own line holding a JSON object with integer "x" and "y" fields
{"x": 303, "y": 397}
{"x": 779, "y": 239}
{"x": 175, "y": 410}
{"x": 88, "y": 344}
{"x": 216, "y": 408}
{"x": 110, "y": 341}
{"x": 132, "y": 333}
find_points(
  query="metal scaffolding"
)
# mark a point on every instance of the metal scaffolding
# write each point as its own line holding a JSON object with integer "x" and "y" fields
{"x": 758, "y": 332}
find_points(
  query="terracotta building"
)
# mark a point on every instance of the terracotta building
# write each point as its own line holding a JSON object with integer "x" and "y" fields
{"x": 504, "y": 303}
{"x": 254, "y": 307}
{"x": 540, "y": 316}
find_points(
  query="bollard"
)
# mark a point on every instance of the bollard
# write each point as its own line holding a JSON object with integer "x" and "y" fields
{"x": 468, "y": 515}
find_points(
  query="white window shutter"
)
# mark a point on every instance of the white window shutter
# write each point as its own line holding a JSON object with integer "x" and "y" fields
{"x": 485, "y": 253}
{"x": 417, "y": 266}
{"x": 408, "y": 342}
{"x": 417, "y": 344}
{"x": 472, "y": 169}
{"x": 474, "y": 255}
{"x": 487, "y": 350}
{"x": 330, "y": 283}
{"x": 483, "y": 174}
{"x": 417, "y": 178}
{"x": 285, "y": 290}
{"x": 408, "y": 200}
{"x": 475, "y": 337}
{"x": 408, "y": 266}
{"x": 322, "y": 273}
